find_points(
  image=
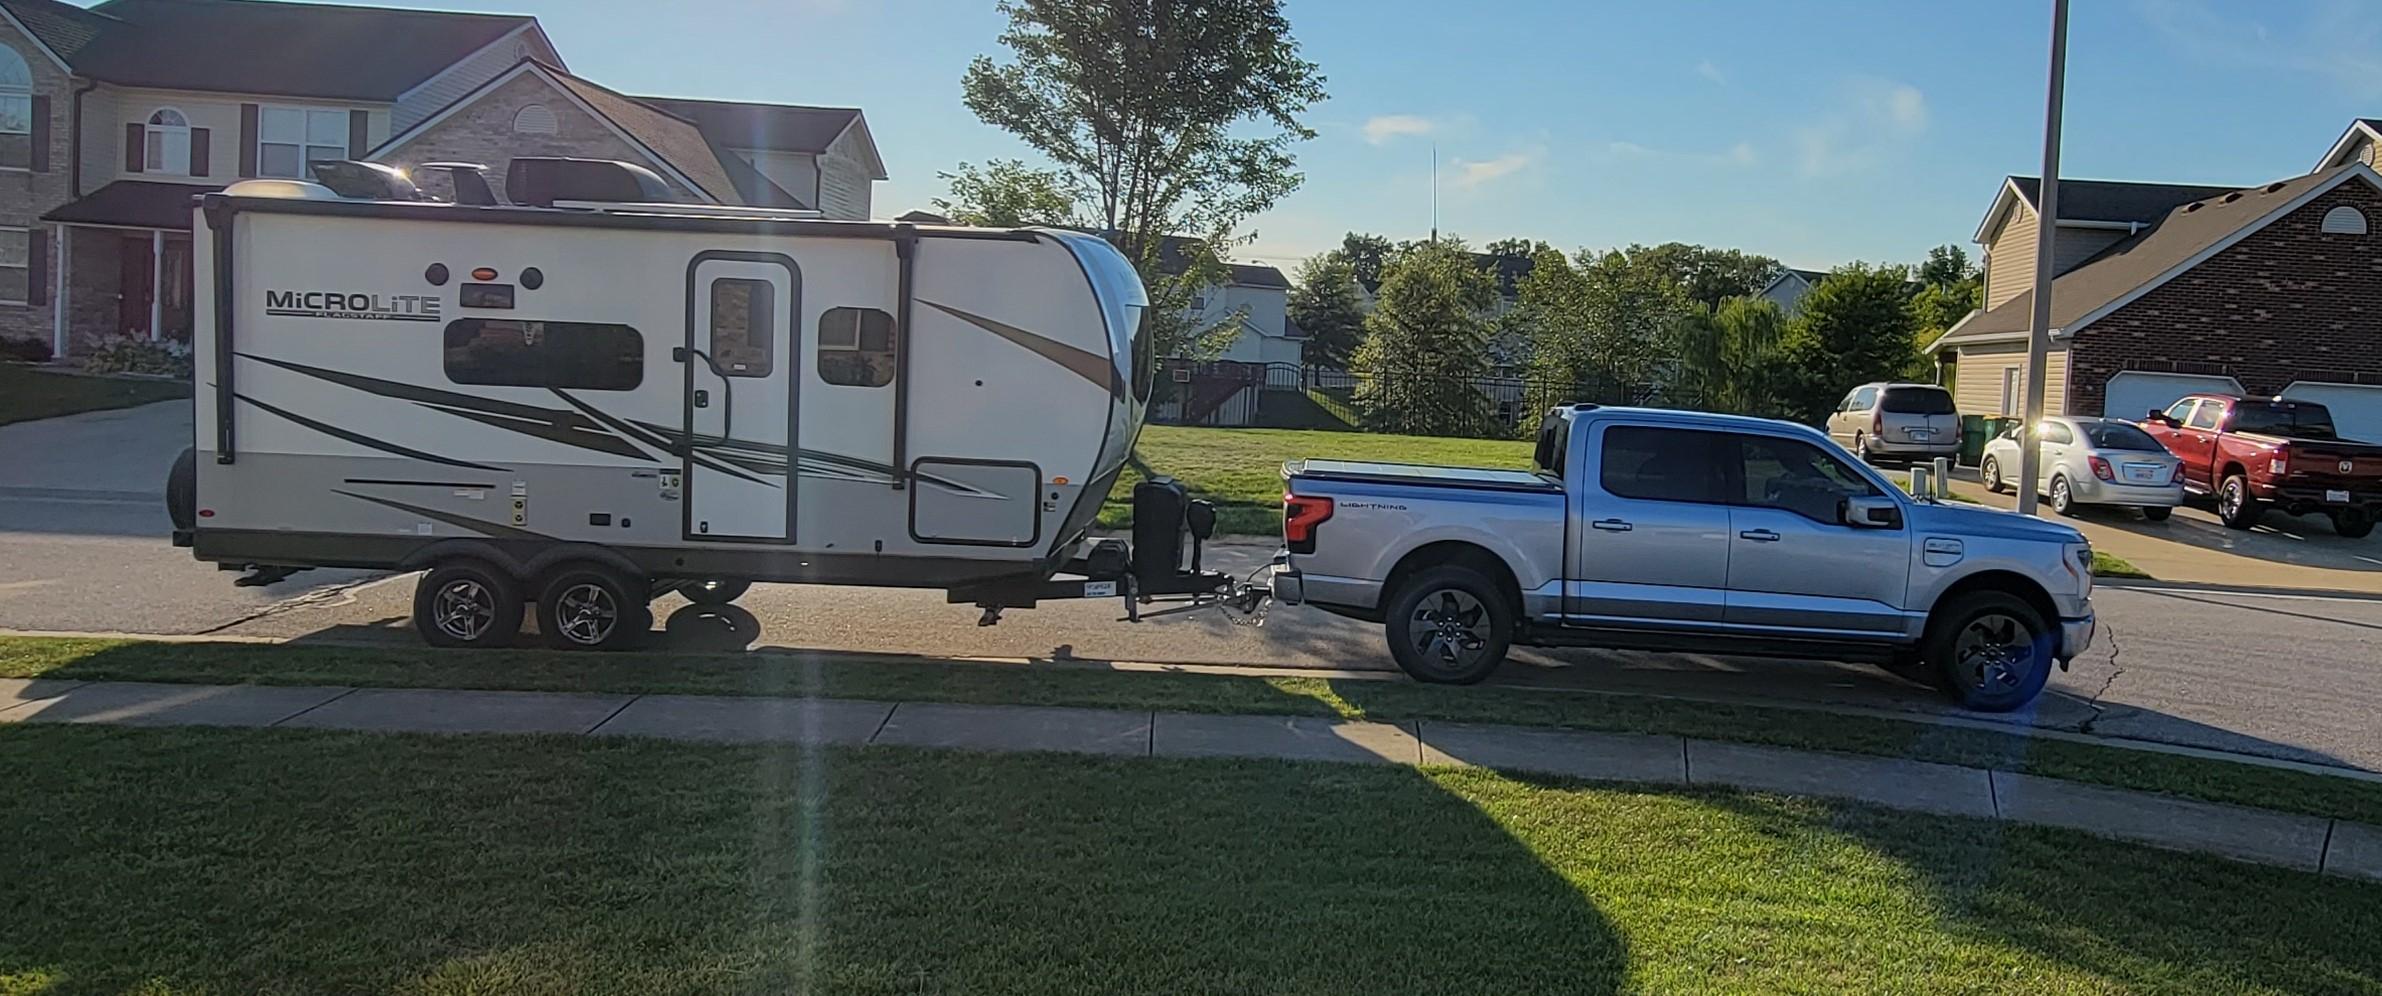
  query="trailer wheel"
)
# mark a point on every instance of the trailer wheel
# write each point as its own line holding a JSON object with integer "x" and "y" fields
{"x": 1449, "y": 625}
{"x": 715, "y": 591}
{"x": 588, "y": 607}
{"x": 467, "y": 603}
{"x": 181, "y": 490}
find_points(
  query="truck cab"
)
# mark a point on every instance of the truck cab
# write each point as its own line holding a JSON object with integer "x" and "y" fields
{"x": 1680, "y": 530}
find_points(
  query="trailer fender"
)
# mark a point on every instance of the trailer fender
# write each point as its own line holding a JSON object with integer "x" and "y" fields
{"x": 548, "y": 558}
{"x": 463, "y": 549}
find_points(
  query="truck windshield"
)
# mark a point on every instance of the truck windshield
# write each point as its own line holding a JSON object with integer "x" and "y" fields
{"x": 1917, "y": 401}
{"x": 2120, "y": 436}
{"x": 2289, "y": 419}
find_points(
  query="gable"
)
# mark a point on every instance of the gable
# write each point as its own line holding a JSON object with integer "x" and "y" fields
{"x": 2288, "y": 272}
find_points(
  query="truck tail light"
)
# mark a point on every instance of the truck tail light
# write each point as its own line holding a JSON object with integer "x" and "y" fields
{"x": 1300, "y": 515}
{"x": 2100, "y": 466}
{"x": 2280, "y": 465}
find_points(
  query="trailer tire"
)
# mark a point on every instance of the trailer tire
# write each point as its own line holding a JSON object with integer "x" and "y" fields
{"x": 588, "y": 606}
{"x": 1449, "y": 625}
{"x": 468, "y": 604}
{"x": 181, "y": 490}
{"x": 715, "y": 591}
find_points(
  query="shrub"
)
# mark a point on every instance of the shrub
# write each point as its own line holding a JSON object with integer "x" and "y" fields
{"x": 25, "y": 350}
{"x": 167, "y": 358}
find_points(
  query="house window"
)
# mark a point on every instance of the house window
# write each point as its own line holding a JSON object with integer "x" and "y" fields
{"x": 16, "y": 282}
{"x": 503, "y": 352}
{"x": 2013, "y": 390}
{"x": 16, "y": 110}
{"x": 856, "y": 347}
{"x": 290, "y": 139}
{"x": 741, "y": 323}
{"x": 535, "y": 119}
{"x": 168, "y": 138}
{"x": 2344, "y": 220}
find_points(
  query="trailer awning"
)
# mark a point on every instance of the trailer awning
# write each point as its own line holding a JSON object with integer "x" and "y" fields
{"x": 134, "y": 204}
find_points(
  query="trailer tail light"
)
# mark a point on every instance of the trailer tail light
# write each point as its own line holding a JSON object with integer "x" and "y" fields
{"x": 1300, "y": 515}
{"x": 2101, "y": 469}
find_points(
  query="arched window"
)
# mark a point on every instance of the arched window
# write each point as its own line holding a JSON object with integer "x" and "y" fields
{"x": 16, "y": 110}
{"x": 168, "y": 138}
{"x": 2344, "y": 220}
{"x": 535, "y": 119}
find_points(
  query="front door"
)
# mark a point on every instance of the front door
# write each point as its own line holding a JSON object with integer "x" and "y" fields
{"x": 740, "y": 372}
{"x": 1793, "y": 563}
{"x": 1655, "y": 544}
{"x": 134, "y": 286}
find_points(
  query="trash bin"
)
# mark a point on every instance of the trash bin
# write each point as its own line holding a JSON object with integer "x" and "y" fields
{"x": 1974, "y": 431}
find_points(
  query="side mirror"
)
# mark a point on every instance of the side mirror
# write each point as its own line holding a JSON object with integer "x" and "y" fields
{"x": 1870, "y": 513}
{"x": 2160, "y": 416}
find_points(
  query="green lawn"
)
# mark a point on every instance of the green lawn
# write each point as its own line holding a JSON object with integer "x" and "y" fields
{"x": 894, "y": 678}
{"x": 27, "y": 394}
{"x": 272, "y": 862}
{"x": 1241, "y": 469}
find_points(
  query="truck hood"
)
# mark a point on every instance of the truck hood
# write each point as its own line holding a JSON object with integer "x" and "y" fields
{"x": 1980, "y": 521}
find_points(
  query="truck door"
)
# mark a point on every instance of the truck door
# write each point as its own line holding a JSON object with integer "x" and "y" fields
{"x": 2195, "y": 443}
{"x": 741, "y": 372}
{"x": 1793, "y": 562}
{"x": 1650, "y": 531}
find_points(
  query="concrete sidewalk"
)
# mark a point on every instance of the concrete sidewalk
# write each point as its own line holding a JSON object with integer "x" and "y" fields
{"x": 2306, "y": 843}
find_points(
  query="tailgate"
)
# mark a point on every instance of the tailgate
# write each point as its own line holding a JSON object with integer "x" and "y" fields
{"x": 2335, "y": 464}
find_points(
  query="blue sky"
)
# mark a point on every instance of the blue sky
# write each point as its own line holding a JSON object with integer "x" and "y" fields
{"x": 1815, "y": 131}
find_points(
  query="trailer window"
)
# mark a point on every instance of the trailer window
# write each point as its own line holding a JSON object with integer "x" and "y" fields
{"x": 741, "y": 316}
{"x": 856, "y": 347}
{"x": 504, "y": 352}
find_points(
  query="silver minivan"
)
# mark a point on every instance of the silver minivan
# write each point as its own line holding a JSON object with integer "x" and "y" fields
{"x": 1897, "y": 421}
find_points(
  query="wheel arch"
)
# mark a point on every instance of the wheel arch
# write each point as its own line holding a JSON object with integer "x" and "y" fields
{"x": 461, "y": 548}
{"x": 1458, "y": 553}
{"x": 2026, "y": 589}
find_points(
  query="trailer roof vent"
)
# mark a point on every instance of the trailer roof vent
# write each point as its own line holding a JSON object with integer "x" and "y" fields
{"x": 539, "y": 181}
{"x": 301, "y": 190}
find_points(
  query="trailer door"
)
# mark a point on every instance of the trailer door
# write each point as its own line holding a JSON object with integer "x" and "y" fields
{"x": 741, "y": 376}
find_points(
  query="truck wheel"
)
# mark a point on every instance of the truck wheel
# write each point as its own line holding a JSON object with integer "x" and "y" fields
{"x": 1991, "y": 650}
{"x": 587, "y": 607}
{"x": 2063, "y": 500}
{"x": 2234, "y": 504}
{"x": 1991, "y": 472}
{"x": 2157, "y": 513}
{"x": 1449, "y": 625}
{"x": 715, "y": 592}
{"x": 181, "y": 490}
{"x": 2354, "y": 523}
{"x": 467, "y": 603}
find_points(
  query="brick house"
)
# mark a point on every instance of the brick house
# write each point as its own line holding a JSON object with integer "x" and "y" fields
{"x": 2162, "y": 290}
{"x": 111, "y": 118}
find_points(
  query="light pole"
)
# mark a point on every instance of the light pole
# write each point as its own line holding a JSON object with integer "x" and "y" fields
{"x": 2038, "y": 335}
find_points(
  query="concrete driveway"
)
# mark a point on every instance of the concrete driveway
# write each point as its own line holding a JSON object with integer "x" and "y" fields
{"x": 2283, "y": 552}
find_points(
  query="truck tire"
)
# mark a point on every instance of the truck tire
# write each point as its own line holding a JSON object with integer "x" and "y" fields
{"x": 715, "y": 591}
{"x": 1991, "y": 650}
{"x": 2157, "y": 513}
{"x": 2235, "y": 506}
{"x": 181, "y": 490}
{"x": 587, "y": 606}
{"x": 1449, "y": 625}
{"x": 2063, "y": 498}
{"x": 2354, "y": 523}
{"x": 467, "y": 603}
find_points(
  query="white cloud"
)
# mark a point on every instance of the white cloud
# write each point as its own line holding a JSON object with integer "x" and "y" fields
{"x": 1707, "y": 70}
{"x": 1874, "y": 121}
{"x": 1382, "y": 129}
{"x": 1740, "y": 154}
{"x": 1471, "y": 173}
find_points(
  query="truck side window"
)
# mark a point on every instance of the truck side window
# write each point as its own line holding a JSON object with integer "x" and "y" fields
{"x": 1798, "y": 477}
{"x": 1662, "y": 464}
{"x": 742, "y": 312}
{"x": 2205, "y": 417}
{"x": 1553, "y": 433}
{"x": 856, "y": 347}
{"x": 2181, "y": 411}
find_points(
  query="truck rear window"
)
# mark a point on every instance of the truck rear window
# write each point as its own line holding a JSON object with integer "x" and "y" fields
{"x": 1917, "y": 401}
{"x": 2289, "y": 419}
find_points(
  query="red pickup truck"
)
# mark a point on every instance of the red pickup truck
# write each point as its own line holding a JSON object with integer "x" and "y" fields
{"x": 2259, "y": 453}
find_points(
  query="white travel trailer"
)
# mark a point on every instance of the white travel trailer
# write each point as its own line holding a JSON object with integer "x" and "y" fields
{"x": 585, "y": 399}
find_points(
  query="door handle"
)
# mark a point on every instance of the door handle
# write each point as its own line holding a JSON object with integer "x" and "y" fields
{"x": 1758, "y": 535}
{"x": 1611, "y": 525}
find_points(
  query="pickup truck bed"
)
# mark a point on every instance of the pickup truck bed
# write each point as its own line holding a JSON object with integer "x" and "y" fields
{"x": 1419, "y": 475}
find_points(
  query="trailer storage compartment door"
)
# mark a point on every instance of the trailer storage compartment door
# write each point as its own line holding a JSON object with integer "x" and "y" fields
{"x": 975, "y": 502}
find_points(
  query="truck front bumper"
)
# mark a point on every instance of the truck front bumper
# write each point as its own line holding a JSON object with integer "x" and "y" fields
{"x": 2074, "y": 636}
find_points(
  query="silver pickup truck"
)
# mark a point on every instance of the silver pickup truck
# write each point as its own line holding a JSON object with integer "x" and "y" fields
{"x": 1676, "y": 530}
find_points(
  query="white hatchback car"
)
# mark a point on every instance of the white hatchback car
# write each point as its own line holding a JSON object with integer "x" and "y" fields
{"x": 2091, "y": 461}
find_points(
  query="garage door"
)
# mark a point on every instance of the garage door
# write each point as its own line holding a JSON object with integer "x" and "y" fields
{"x": 2135, "y": 392}
{"x": 2356, "y": 408}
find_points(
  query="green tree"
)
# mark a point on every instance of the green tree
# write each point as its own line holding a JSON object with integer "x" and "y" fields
{"x": 1425, "y": 347}
{"x": 1324, "y": 304}
{"x": 1946, "y": 265}
{"x": 1006, "y": 193}
{"x": 1852, "y": 327}
{"x": 1367, "y": 255}
{"x": 1705, "y": 275}
{"x": 1732, "y": 359}
{"x": 1176, "y": 117}
{"x": 1949, "y": 289}
{"x": 1601, "y": 325}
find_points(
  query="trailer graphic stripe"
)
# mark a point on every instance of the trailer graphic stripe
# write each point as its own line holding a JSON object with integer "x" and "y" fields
{"x": 551, "y": 424}
{"x": 1081, "y": 362}
{"x": 814, "y": 463}
{"x": 361, "y": 439}
{"x": 463, "y": 521}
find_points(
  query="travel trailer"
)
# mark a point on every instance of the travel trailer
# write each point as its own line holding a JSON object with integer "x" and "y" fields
{"x": 591, "y": 396}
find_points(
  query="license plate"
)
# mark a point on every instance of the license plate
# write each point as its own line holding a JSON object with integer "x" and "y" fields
{"x": 1099, "y": 589}
{"x": 2144, "y": 473}
{"x": 2337, "y": 497}
{"x": 1922, "y": 435}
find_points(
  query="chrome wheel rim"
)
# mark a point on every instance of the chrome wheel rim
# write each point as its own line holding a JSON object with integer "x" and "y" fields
{"x": 1993, "y": 475}
{"x": 2059, "y": 495}
{"x": 585, "y": 613}
{"x": 2229, "y": 499}
{"x": 464, "y": 609}
{"x": 1450, "y": 628}
{"x": 1995, "y": 652}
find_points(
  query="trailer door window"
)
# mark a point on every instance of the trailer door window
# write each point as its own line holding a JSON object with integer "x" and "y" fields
{"x": 505, "y": 352}
{"x": 856, "y": 347}
{"x": 741, "y": 313}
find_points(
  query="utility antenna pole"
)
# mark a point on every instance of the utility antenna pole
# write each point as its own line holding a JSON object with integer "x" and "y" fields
{"x": 2038, "y": 336}
{"x": 1434, "y": 192}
